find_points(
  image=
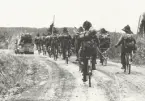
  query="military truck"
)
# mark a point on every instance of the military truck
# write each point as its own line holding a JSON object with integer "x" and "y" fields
{"x": 24, "y": 45}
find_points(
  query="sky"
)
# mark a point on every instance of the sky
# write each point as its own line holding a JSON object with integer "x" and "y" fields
{"x": 112, "y": 15}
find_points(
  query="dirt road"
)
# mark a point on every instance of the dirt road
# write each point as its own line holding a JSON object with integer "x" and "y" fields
{"x": 64, "y": 83}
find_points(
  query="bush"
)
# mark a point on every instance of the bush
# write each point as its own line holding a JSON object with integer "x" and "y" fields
{"x": 139, "y": 57}
{"x": 114, "y": 52}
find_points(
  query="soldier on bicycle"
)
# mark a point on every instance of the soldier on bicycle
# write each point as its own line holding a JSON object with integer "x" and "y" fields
{"x": 66, "y": 43}
{"x": 89, "y": 42}
{"x": 128, "y": 44}
{"x": 37, "y": 42}
{"x": 104, "y": 39}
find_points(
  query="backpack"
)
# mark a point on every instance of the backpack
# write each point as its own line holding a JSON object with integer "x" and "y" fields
{"x": 129, "y": 42}
{"x": 37, "y": 40}
{"x": 104, "y": 40}
{"x": 43, "y": 39}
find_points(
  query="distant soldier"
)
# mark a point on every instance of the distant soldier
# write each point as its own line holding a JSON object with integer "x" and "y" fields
{"x": 104, "y": 39}
{"x": 48, "y": 44}
{"x": 38, "y": 42}
{"x": 43, "y": 43}
{"x": 66, "y": 42}
{"x": 54, "y": 45}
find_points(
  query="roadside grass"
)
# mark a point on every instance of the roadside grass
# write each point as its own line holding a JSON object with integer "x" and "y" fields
{"x": 18, "y": 74}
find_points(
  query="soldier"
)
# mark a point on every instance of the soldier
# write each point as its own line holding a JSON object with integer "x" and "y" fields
{"x": 48, "y": 44}
{"x": 89, "y": 42}
{"x": 38, "y": 42}
{"x": 77, "y": 42}
{"x": 54, "y": 45}
{"x": 66, "y": 42}
{"x": 86, "y": 25}
{"x": 104, "y": 39}
{"x": 126, "y": 46}
{"x": 43, "y": 43}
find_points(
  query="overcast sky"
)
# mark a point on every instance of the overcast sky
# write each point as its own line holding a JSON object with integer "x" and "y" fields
{"x": 110, "y": 14}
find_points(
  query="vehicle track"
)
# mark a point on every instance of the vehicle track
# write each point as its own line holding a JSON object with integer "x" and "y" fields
{"x": 128, "y": 86}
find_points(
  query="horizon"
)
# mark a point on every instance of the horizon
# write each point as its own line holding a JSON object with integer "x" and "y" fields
{"x": 47, "y": 28}
{"x": 112, "y": 15}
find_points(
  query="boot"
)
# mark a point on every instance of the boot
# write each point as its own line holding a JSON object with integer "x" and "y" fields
{"x": 123, "y": 67}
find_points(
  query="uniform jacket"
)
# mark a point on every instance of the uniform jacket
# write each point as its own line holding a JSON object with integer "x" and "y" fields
{"x": 121, "y": 41}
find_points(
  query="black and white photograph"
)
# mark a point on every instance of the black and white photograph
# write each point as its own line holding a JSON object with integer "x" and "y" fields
{"x": 72, "y": 50}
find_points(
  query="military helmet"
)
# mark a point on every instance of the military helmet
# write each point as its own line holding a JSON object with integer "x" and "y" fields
{"x": 81, "y": 29}
{"x": 102, "y": 30}
{"x": 87, "y": 25}
{"x": 127, "y": 29}
{"x": 93, "y": 31}
{"x": 65, "y": 30}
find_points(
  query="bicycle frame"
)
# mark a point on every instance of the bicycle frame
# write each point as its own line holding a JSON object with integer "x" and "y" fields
{"x": 128, "y": 62}
{"x": 87, "y": 69}
{"x": 104, "y": 55}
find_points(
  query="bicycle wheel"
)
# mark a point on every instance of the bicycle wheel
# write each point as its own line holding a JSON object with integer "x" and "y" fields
{"x": 90, "y": 80}
{"x": 104, "y": 58}
{"x": 39, "y": 50}
{"x": 129, "y": 68}
{"x": 90, "y": 71}
{"x": 80, "y": 66}
{"x": 54, "y": 53}
{"x": 85, "y": 66}
{"x": 105, "y": 62}
{"x": 125, "y": 65}
{"x": 50, "y": 52}
{"x": 66, "y": 58}
{"x": 57, "y": 52}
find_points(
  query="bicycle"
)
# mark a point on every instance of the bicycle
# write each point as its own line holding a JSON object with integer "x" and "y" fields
{"x": 88, "y": 64}
{"x": 128, "y": 62}
{"x": 103, "y": 55}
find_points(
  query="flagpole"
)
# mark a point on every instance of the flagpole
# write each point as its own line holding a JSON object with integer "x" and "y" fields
{"x": 53, "y": 23}
{"x": 138, "y": 25}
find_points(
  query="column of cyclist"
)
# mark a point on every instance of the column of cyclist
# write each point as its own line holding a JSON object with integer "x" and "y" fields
{"x": 86, "y": 43}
